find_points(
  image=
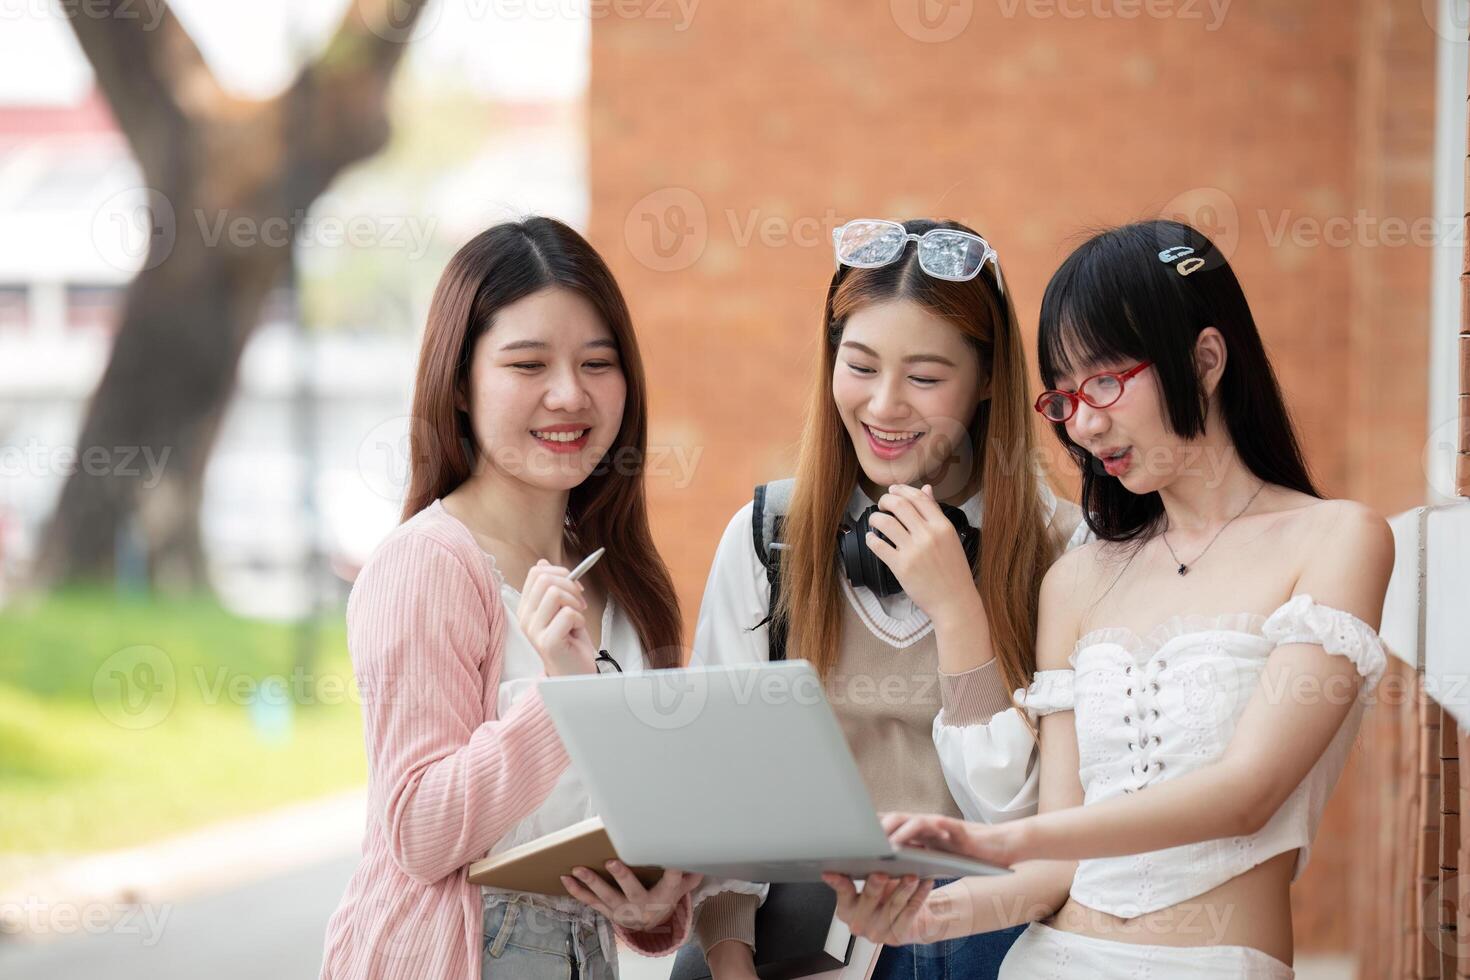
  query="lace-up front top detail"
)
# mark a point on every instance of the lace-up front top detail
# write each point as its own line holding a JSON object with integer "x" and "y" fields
{"x": 1153, "y": 707}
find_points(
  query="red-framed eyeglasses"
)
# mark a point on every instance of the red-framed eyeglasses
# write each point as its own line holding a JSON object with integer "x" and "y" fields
{"x": 1099, "y": 391}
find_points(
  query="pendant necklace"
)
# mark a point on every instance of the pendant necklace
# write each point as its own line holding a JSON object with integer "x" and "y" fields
{"x": 1183, "y": 568}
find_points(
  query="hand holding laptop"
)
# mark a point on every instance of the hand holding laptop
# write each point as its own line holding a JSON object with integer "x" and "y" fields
{"x": 900, "y": 911}
{"x": 888, "y": 911}
{"x": 634, "y": 907}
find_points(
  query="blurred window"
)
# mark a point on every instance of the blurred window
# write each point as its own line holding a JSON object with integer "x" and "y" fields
{"x": 93, "y": 308}
{"x": 15, "y": 307}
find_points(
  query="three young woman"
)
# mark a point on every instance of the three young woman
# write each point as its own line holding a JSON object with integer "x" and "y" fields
{"x": 1182, "y": 768}
{"x": 530, "y": 425}
{"x": 1203, "y": 665}
{"x": 919, "y": 399}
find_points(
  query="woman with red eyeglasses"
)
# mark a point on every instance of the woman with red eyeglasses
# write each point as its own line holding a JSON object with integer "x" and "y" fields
{"x": 1203, "y": 665}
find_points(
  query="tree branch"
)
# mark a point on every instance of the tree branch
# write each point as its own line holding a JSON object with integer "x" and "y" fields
{"x": 149, "y": 69}
{"x": 339, "y": 102}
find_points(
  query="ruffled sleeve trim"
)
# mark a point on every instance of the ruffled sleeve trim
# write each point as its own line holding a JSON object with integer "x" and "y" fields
{"x": 1050, "y": 691}
{"x": 1303, "y": 620}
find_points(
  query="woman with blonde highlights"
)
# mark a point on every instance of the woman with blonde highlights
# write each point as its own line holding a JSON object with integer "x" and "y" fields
{"x": 907, "y": 554}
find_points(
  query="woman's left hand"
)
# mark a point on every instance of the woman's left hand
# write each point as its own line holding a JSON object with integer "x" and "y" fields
{"x": 926, "y": 555}
{"x": 1000, "y": 844}
{"x": 629, "y": 905}
{"x": 888, "y": 911}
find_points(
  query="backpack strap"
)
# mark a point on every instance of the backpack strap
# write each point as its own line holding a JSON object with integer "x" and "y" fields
{"x": 768, "y": 517}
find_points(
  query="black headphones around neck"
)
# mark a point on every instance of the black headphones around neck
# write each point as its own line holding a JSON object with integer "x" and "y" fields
{"x": 865, "y": 568}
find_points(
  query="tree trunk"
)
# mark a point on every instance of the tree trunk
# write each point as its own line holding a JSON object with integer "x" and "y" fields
{"x": 223, "y": 167}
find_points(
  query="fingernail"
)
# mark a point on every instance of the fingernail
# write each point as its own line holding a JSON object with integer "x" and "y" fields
{"x": 614, "y": 866}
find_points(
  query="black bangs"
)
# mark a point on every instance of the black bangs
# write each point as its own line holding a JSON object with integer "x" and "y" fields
{"x": 1144, "y": 292}
{"x": 1115, "y": 302}
{"x": 1086, "y": 319}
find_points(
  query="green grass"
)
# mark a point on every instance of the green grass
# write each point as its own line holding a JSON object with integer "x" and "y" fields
{"x": 124, "y": 720}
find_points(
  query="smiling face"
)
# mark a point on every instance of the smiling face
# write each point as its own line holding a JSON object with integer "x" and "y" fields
{"x": 546, "y": 390}
{"x": 906, "y": 384}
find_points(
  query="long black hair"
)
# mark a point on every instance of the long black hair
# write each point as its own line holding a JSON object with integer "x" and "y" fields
{"x": 1119, "y": 297}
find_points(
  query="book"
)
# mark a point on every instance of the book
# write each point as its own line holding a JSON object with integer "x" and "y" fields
{"x": 537, "y": 865}
{"x": 797, "y": 934}
{"x": 861, "y": 962}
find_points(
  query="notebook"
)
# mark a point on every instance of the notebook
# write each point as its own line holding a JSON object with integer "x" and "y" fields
{"x": 861, "y": 962}
{"x": 537, "y": 866}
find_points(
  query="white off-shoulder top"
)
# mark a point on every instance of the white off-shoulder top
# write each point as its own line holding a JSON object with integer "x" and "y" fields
{"x": 1151, "y": 708}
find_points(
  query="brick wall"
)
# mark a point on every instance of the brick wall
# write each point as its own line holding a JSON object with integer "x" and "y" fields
{"x": 726, "y": 145}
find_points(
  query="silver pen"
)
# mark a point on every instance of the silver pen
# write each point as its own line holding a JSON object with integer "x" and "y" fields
{"x": 585, "y": 564}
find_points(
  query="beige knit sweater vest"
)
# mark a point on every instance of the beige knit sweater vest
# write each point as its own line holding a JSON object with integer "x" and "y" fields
{"x": 885, "y": 697}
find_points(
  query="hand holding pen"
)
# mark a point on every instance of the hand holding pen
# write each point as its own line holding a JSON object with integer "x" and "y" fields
{"x": 551, "y": 614}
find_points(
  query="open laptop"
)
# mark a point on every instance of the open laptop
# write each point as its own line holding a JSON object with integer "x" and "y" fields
{"x": 739, "y": 772}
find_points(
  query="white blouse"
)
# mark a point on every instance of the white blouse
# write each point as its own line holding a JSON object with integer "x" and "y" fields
{"x": 522, "y": 668}
{"x": 569, "y": 803}
{"x": 1151, "y": 708}
{"x": 991, "y": 769}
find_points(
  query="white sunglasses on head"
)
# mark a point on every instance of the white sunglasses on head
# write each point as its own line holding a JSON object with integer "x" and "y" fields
{"x": 944, "y": 253}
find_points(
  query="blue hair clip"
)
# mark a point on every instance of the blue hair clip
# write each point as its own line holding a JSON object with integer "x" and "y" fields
{"x": 1169, "y": 255}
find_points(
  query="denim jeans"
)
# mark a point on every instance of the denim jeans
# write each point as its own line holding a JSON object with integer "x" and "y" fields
{"x": 976, "y": 957}
{"x": 523, "y": 942}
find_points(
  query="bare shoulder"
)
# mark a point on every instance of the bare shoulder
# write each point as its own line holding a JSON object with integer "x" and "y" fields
{"x": 1065, "y": 590}
{"x": 1074, "y": 568}
{"x": 1341, "y": 528}
{"x": 1347, "y": 557}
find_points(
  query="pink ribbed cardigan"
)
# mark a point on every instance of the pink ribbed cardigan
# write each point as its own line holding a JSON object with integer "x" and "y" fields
{"x": 446, "y": 777}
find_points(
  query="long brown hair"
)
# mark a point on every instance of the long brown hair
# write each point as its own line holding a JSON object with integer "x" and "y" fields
{"x": 608, "y": 509}
{"x": 1017, "y": 547}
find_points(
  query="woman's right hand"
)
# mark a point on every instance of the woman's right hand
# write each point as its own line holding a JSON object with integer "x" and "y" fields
{"x": 1001, "y": 843}
{"x": 550, "y": 614}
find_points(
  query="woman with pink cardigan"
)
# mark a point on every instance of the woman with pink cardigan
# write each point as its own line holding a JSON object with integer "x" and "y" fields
{"x": 529, "y": 431}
